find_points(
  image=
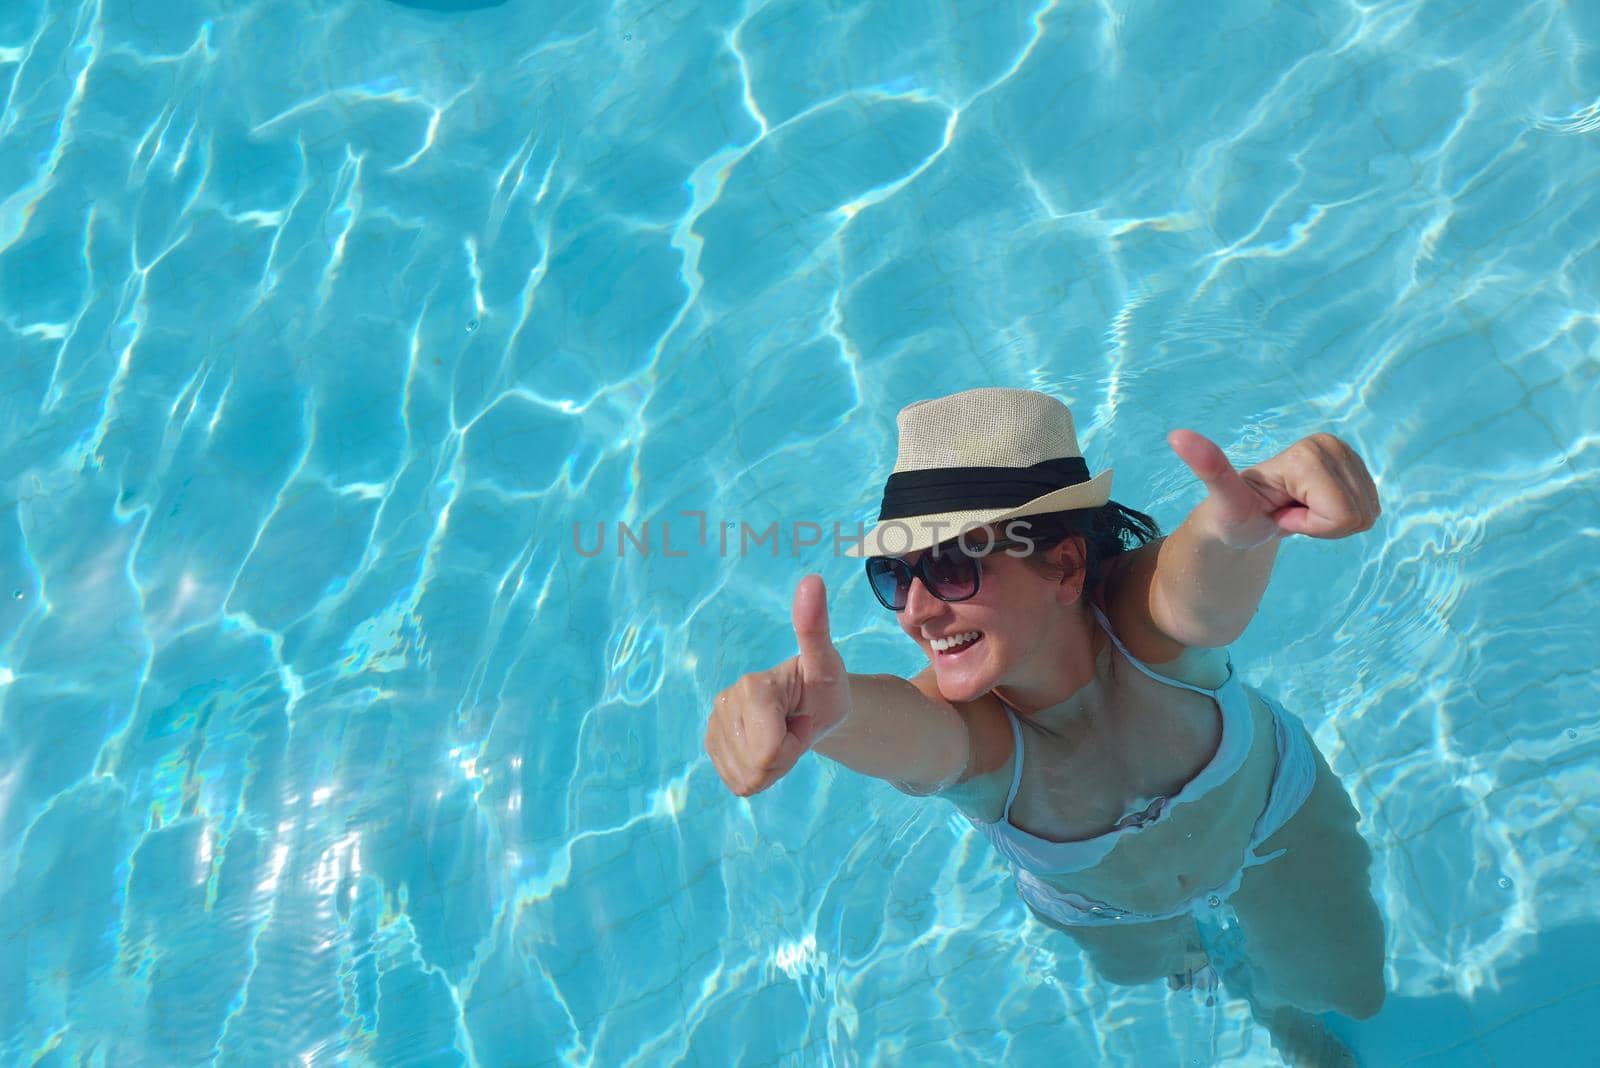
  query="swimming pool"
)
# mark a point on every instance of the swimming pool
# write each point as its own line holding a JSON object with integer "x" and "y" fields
{"x": 333, "y": 334}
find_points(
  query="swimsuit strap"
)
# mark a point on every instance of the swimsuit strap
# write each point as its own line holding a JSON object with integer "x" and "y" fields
{"x": 1140, "y": 664}
{"x": 1016, "y": 757}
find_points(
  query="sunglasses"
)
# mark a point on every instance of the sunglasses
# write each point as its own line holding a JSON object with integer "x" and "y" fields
{"x": 949, "y": 574}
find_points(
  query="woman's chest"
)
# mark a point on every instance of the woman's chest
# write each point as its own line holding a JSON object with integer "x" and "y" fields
{"x": 1083, "y": 778}
{"x": 1193, "y": 846}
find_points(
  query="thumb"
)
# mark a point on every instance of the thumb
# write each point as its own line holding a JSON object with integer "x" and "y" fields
{"x": 819, "y": 660}
{"x": 1211, "y": 466}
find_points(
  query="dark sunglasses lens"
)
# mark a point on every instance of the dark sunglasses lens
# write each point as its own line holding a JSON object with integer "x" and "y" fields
{"x": 890, "y": 580}
{"x": 951, "y": 576}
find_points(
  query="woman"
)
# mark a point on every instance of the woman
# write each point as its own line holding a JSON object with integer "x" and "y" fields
{"x": 1079, "y": 707}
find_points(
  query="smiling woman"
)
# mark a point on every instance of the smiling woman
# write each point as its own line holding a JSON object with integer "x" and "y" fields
{"x": 1078, "y": 708}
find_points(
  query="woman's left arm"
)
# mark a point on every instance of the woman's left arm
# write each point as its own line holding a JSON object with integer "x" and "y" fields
{"x": 1200, "y": 587}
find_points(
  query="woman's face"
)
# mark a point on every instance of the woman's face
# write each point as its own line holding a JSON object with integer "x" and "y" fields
{"x": 993, "y": 638}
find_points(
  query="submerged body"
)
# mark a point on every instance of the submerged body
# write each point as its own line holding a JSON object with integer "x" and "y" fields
{"x": 1159, "y": 794}
{"x": 1097, "y": 831}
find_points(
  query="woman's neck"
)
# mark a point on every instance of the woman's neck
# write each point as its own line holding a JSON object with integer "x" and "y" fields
{"x": 1059, "y": 666}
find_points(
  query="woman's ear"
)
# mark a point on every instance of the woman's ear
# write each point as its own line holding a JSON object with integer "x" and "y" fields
{"x": 1071, "y": 557}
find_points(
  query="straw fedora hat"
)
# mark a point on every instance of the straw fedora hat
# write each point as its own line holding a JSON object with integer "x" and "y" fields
{"x": 980, "y": 457}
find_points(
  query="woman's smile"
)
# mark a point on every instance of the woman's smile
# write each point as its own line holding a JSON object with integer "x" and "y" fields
{"x": 956, "y": 644}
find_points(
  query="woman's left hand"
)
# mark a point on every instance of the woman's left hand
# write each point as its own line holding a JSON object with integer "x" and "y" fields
{"x": 1317, "y": 487}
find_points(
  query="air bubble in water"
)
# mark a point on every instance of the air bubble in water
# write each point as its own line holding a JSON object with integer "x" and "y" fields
{"x": 472, "y": 324}
{"x": 1572, "y": 733}
{"x": 1214, "y": 901}
{"x": 16, "y": 595}
{"x": 1505, "y": 884}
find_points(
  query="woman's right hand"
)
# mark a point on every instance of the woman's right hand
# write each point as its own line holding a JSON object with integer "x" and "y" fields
{"x": 762, "y": 724}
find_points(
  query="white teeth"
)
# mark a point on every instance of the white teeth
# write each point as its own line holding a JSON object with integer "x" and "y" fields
{"x": 941, "y": 644}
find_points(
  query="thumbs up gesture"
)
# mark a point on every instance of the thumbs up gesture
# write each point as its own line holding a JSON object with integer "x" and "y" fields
{"x": 762, "y": 724}
{"x": 1318, "y": 487}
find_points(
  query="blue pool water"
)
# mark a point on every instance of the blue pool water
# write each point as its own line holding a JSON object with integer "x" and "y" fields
{"x": 323, "y": 324}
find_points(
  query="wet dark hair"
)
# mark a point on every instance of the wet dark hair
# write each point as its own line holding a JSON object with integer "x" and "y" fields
{"x": 1107, "y": 531}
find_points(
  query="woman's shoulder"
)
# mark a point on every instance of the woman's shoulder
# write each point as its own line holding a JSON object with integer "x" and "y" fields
{"x": 1122, "y": 605}
{"x": 980, "y": 792}
{"x": 988, "y": 726}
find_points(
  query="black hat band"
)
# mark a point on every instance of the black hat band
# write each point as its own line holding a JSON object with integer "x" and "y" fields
{"x": 965, "y": 489}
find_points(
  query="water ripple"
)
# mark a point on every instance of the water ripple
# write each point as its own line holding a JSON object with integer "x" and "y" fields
{"x": 320, "y": 742}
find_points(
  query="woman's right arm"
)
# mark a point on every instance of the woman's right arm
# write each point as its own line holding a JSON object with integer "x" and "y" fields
{"x": 878, "y": 725}
{"x": 895, "y": 731}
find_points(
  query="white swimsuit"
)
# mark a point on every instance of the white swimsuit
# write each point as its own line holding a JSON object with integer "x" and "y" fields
{"x": 1031, "y": 856}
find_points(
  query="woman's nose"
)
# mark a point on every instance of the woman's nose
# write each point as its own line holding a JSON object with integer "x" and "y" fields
{"x": 920, "y": 604}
